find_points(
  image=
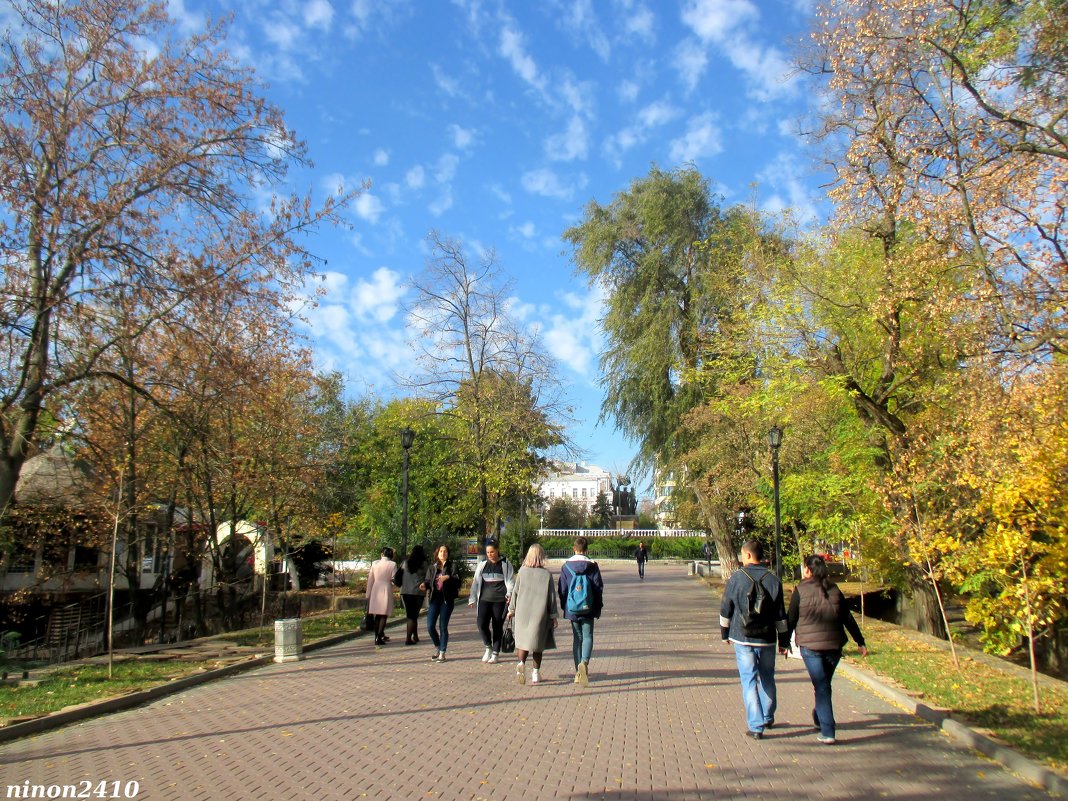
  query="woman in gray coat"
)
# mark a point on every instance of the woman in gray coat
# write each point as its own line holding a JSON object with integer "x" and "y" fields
{"x": 534, "y": 612}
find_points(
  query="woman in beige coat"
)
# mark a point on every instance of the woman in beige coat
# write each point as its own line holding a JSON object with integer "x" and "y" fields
{"x": 534, "y": 612}
{"x": 380, "y": 593}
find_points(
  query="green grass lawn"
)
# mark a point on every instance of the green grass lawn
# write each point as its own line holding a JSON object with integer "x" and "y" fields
{"x": 79, "y": 684}
{"x": 996, "y": 700}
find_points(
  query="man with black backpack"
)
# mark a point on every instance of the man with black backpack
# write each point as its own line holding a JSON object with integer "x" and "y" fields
{"x": 752, "y": 617}
{"x": 581, "y": 597}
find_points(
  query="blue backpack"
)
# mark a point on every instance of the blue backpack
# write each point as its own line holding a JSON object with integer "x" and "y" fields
{"x": 579, "y": 600}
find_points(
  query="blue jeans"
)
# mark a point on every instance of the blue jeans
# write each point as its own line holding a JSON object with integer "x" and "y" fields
{"x": 582, "y": 640}
{"x": 641, "y": 569}
{"x": 435, "y": 611}
{"x": 756, "y": 669}
{"x": 821, "y": 666}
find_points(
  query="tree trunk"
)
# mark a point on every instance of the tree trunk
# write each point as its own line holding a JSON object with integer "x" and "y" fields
{"x": 718, "y": 521}
{"x": 928, "y": 613}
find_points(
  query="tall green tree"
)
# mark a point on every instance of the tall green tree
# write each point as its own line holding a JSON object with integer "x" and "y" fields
{"x": 669, "y": 259}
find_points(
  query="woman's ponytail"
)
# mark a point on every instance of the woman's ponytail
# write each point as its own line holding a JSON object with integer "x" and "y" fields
{"x": 818, "y": 566}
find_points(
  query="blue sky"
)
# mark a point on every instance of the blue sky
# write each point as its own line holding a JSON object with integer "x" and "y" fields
{"x": 496, "y": 123}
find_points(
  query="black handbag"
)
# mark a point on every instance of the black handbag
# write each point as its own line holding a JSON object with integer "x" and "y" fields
{"x": 508, "y": 639}
{"x": 368, "y": 622}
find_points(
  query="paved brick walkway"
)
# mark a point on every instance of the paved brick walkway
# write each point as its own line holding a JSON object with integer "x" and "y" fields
{"x": 661, "y": 720}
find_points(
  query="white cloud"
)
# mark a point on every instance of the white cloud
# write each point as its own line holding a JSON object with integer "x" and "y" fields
{"x": 445, "y": 83}
{"x": 462, "y": 138}
{"x": 716, "y": 20}
{"x": 641, "y": 23}
{"x": 318, "y": 14}
{"x": 445, "y": 170}
{"x": 701, "y": 140}
{"x": 547, "y": 183}
{"x": 333, "y": 283}
{"x": 785, "y": 177}
{"x": 727, "y": 25}
{"x": 415, "y": 177}
{"x": 527, "y": 230}
{"x": 443, "y": 203}
{"x": 652, "y": 116}
{"x": 768, "y": 67}
{"x": 656, "y": 114}
{"x": 379, "y": 298}
{"x": 571, "y": 144}
{"x": 380, "y": 158}
{"x": 690, "y": 60}
{"x": 579, "y": 19}
{"x": 333, "y": 323}
{"x": 575, "y": 339}
{"x": 368, "y": 207}
{"x": 512, "y": 48}
{"x": 281, "y": 32}
{"x": 578, "y": 96}
{"x": 628, "y": 91}
{"x": 519, "y": 310}
{"x": 186, "y": 19}
{"x": 500, "y": 194}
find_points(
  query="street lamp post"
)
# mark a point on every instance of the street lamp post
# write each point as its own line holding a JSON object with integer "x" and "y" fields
{"x": 407, "y": 438}
{"x": 775, "y": 440}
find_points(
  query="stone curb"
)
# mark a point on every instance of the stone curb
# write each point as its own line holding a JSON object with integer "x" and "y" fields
{"x": 1034, "y": 772}
{"x": 118, "y": 703}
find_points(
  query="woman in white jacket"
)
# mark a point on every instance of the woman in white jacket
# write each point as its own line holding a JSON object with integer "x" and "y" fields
{"x": 491, "y": 589}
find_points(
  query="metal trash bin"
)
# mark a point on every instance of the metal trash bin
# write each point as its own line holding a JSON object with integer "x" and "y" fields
{"x": 288, "y": 640}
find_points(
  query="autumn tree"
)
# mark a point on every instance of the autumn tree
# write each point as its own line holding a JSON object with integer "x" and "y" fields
{"x": 950, "y": 117}
{"x": 481, "y": 368}
{"x": 129, "y": 159}
{"x": 944, "y": 123}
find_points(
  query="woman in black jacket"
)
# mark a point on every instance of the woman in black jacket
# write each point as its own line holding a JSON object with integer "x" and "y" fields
{"x": 442, "y": 585}
{"x": 819, "y": 617}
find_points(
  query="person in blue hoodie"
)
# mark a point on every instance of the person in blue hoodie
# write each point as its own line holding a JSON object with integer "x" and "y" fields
{"x": 582, "y": 573}
{"x": 754, "y": 637}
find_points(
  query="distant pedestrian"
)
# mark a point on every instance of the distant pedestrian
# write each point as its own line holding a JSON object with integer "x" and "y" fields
{"x": 581, "y": 591}
{"x": 642, "y": 555}
{"x": 442, "y": 584}
{"x": 380, "y": 593}
{"x": 707, "y": 551}
{"x": 819, "y": 616}
{"x": 412, "y": 586}
{"x": 533, "y": 612}
{"x": 490, "y": 590}
{"x": 751, "y": 617}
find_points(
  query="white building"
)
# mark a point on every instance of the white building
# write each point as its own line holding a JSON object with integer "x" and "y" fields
{"x": 663, "y": 505}
{"x": 579, "y": 482}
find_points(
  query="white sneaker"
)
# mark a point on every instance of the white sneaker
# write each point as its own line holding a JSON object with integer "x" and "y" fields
{"x": 486, "y": 656}
{"x": 493, "y": 659}
{"x": 521, "y": 673}
{"x": 535, "y": 676}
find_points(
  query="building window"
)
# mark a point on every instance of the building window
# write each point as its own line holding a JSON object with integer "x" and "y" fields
{"x": 574, "y": 493}
{"x": 584, "y": 492}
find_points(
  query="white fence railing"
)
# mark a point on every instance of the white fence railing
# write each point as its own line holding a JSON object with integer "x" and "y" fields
{"x": 633, "y": 533}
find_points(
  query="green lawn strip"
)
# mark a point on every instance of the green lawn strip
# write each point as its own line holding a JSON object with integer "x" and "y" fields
{"x": 82, "y": 683}
{"x": 998, "y": 701}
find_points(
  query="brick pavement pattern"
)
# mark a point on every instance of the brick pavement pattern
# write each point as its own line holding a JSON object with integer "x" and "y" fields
{"x": 661, "y": 720}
